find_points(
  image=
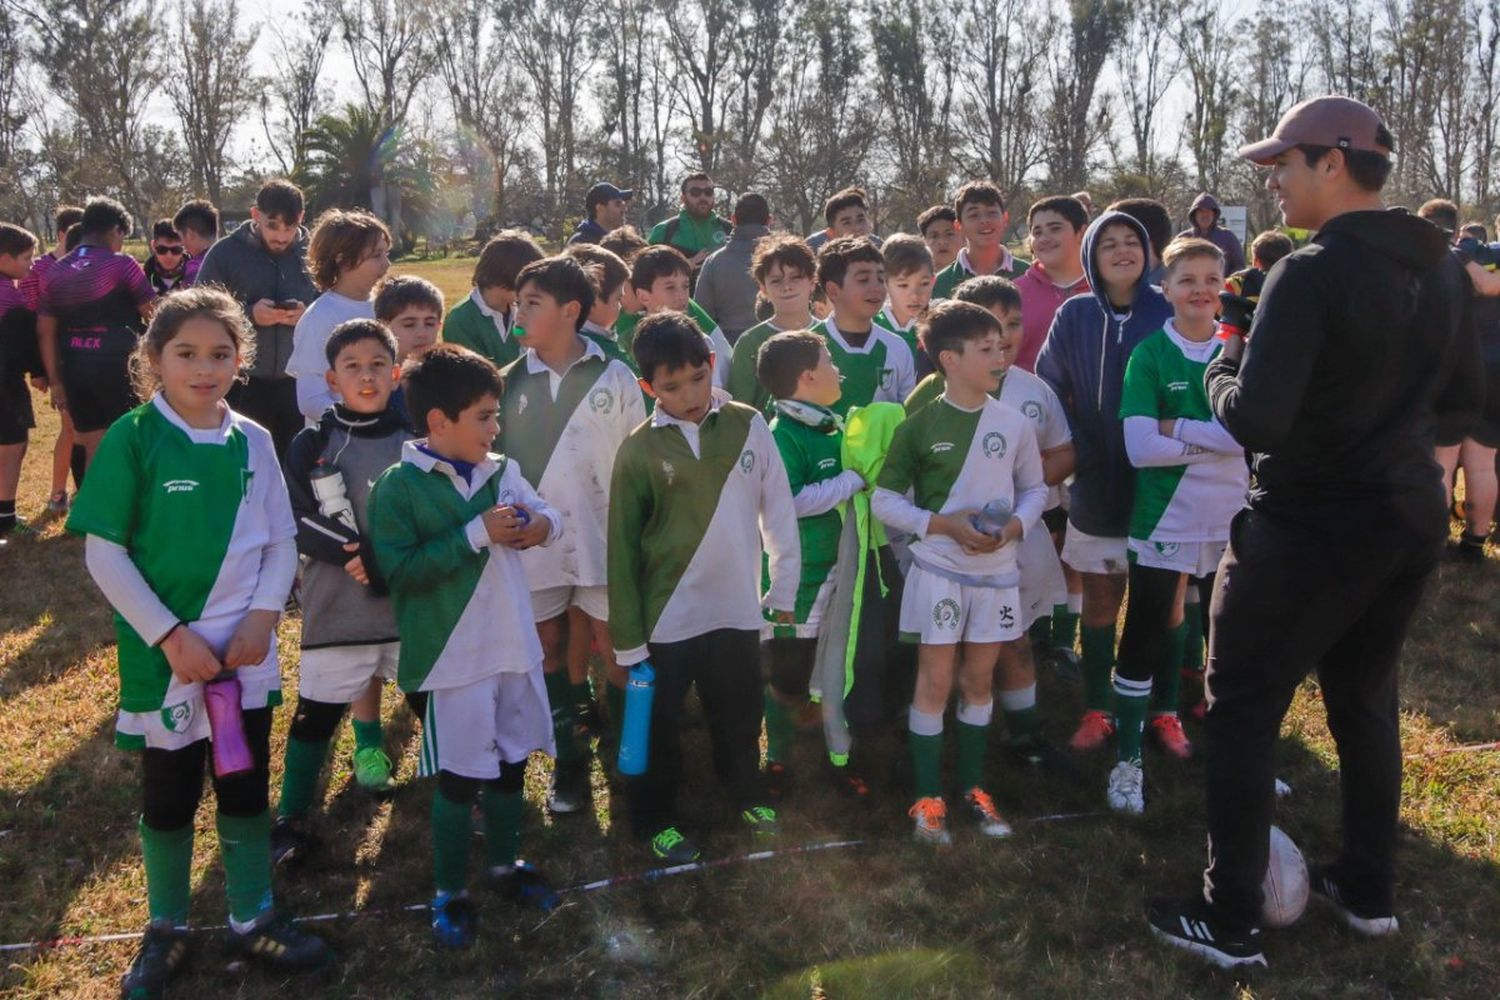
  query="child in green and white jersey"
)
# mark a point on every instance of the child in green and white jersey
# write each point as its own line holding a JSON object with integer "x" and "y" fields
{"x": 1191, "y": 480}
{"x": 448, "y": 524}
{"x": 799, "y": 373}
{"x": 784, "y": 268}
{"x": 959, "y": 455}
{"x": 876, "y": 364}
{"x": 190, "y": 537}
{"x": 908, "y": 286}
{"x": 567, "y": 408}
{"x": 699, "y": 491}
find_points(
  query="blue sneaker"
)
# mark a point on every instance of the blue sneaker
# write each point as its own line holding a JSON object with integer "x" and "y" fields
{"x": 453, "y": 922}
{"x": 523, "y": 884}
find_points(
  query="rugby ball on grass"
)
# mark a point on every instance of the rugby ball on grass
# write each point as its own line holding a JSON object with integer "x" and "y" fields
{"x": 1285, "y": 885}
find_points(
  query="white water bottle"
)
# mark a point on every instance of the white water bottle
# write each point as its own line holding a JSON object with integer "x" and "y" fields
{"x": 333, "y": 498}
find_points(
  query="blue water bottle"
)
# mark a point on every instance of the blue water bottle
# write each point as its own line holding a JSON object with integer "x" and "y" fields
{"x": 635, "y": 733}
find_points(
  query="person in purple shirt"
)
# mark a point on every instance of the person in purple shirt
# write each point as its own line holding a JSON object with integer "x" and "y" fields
{"x": 197, "y": 222}
{"x": 90, "y": 314}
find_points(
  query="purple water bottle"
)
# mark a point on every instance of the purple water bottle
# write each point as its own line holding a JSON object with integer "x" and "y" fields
{"x": 227, "y": 726}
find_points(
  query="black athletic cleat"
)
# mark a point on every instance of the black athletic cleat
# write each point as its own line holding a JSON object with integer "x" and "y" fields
{"x": 570, "y": 787}
{"x": 1369, "y": 921}
{"x": 672, "y": 847}
{"x": 1189, "y": 924}
{"x": 523, "y": 884}
{"x": 280, "y": 944}
{"x": 292, "y": 842}
{"x": 164, "y": 951}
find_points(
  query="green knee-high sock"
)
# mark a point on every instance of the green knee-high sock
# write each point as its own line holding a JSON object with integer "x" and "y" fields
{"x": 169, "y": 871}
{"x": 559, "y": 693}
{"x": 925, "y": 737}
{"x": 1131, "y": 699}
{"x": 502, "y": 826}
{"x": 973, "y": 736}
{"x": 780, "y": 729}
{"x": 1064, "y": 627}
{"x": 1192, "y": 643}
{"x": 451, "y": 829}
{"x": 1020, "y": 711}
{"x": 245, "y": 846}
{"x": 1098, "y": 661}
{"x": 1041, "y": 630}
{"x": 299, "y": 780}
{"x": 1168, "y": 681}
{"x": 367, "y": 735}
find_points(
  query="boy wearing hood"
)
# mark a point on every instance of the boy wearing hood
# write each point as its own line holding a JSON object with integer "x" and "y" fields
{"x": 1203, "y": 222}
{"x": 1083, "y": 360}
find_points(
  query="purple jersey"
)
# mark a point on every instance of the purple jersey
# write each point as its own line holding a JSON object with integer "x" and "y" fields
{"x": 95, "y": 296}
{"x": 31, "y": 285}
{"x": 190, "y": 276}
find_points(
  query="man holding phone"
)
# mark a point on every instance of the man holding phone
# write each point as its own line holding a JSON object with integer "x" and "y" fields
{"x": 1360, "y": 343}
{"x": 263, "y": 264}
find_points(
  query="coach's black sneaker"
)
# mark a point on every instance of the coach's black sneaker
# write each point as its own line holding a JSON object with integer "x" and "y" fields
{"x": 1188, "y": 924}
{"x": 1370, "y": 922}
{"x": 277, "y": 942}
{"x": 164, "y": 951}
{"x": 523, "y": 884}
{"x": 291, "y": 842}
{"x": 570, "y": 787}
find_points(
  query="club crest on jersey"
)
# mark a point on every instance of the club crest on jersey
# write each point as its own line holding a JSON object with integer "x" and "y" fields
{"x": 521, "y": 402}
{"x": 247, "y": 477}
{"x": 1167, "y": 549}
{"x": 945, "y": 614}
{"x": 601, "y": 400}
{"x": 994, "y": 445}
{"x": 1031, "y": 408}
{"x": 507, "y": 498}
{"x": 747, "y": 460}
{"x": 668, "y": 471}
{"x": 177, "y": 718}
{"x": 886, "y": 375}
{"x": 180, "y": 485}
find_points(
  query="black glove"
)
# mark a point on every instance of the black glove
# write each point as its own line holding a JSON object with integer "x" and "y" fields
{"x": 1235, "y": 314}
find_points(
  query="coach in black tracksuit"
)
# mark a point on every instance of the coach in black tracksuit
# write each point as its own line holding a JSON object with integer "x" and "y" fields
{"x": 1360, "y": 340}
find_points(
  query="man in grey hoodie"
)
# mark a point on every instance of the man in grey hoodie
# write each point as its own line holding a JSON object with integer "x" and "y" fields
{"x": 263, "y": 264}
{"x": 725, "y": 289}
{"x": 1203, "y": 222}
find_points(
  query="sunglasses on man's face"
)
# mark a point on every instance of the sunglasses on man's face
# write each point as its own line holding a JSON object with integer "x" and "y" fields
{"x": 176, "y": 251}
{"x": 701, "y": 192}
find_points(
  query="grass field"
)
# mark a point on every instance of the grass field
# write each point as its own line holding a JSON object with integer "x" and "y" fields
{"x": 1052, "y": 912}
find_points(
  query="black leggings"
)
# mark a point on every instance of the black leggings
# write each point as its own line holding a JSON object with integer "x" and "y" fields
{"x": 1148, "y": 617}
{"x": 172, "y": 780}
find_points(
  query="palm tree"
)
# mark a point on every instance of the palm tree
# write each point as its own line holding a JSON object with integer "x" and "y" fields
{"x": 356, "y": 161}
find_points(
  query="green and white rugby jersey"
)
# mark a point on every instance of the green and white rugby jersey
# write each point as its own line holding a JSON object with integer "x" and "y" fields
{"x": 196, "y": 510}
{"x": 959, "y": 460}
{"x": 1187, "y": 487}
{"x": 463, "y": 607}
{"x": 563, "y": 431}
{"x": 879, "y": 371}
{"x": 1027, "y": 393}
{"x": 886, "y": 319}
{"x": 690, "y": 508}
{"x": 811, "y": 455}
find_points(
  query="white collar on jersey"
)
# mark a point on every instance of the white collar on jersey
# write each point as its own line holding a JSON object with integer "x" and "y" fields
{"x": 198, "y": 435}
{"x": 536, "y": 366}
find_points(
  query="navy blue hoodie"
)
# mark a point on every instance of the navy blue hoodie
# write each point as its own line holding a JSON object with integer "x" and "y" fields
{"x": 1083, "y": 359}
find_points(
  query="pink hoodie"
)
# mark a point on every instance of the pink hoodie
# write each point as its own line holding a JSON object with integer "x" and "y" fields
{"x": 1040, "y": 299}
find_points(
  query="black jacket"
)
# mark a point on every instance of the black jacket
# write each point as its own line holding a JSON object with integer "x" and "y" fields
{"x": 1361, "y": 340}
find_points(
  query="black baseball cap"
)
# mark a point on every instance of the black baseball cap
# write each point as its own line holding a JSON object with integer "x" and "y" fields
{"x": 605, "y": 191}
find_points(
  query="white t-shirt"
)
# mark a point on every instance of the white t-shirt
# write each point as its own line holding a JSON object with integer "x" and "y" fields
{"x": 308, "y": 363}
